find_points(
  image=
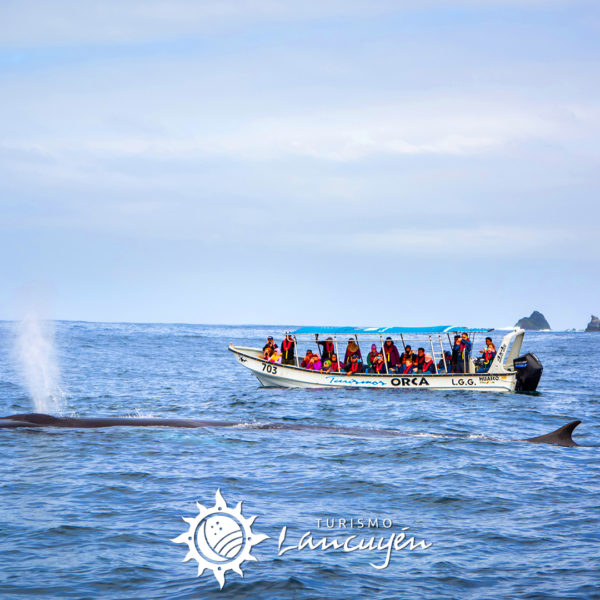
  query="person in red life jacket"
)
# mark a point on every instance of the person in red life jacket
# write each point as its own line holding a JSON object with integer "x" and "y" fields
{"x": 455, "y": 355}
{"x": 488, "y": 355}
{"x": 445, "y": 365}
{"x": 270, "y": 343}
{"x": 407, "y": 367}
{"x": 378, "y": 367}
{"x": 327, "y": 349}
{"x": 408, "y": 353}
{"x": 392, "y": 356}
{"x": 306, "y": 359}
{"x": 354, "y": 367}
{"x": 288, "y": 347}
{"x": 351, "y": 349}
{"x": 428, "y": 367}
{"x": 336, "y": 366}
{"x": 420, "y": 359}
{"x": 371, "y": 358}
{"x": 464, "y": 348}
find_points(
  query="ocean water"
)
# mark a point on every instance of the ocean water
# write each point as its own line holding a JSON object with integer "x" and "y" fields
{"x": 89, "y": 513}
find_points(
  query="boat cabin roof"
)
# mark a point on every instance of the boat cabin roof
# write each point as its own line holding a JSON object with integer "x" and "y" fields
{"x": 389, "y": 330}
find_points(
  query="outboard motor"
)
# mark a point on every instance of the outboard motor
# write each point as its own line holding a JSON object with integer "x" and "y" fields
{"x": 529, "y": 370}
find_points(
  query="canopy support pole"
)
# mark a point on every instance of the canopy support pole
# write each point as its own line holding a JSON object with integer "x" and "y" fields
{"x": 433, "y": 355}
{"x": 403, "y": 344}
{"x": 443, "y": 354}
{"x": 296, "y": 350}
{"x": 336, "y": 348}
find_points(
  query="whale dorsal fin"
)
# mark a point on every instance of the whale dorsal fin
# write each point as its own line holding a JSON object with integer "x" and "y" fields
{"x": 560, "y": 437}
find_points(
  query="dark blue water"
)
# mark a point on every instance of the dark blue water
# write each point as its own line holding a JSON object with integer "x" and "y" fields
{"x": 89, "y": 513}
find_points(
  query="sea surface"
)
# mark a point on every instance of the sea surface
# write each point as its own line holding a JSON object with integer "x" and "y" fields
{"x": 89, "y": 513}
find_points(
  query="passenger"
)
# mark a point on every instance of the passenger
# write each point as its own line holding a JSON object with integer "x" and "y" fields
{"x": 420, "y": 359}
{"x": 315, "y": 363}
{"x": 392, "y": 356}
{"x": 408, "y": 353}
{"x": 371, "y": 358}
{"x": 351, "y": 349}
{"x": 465, "y": 347}
{"x": 288, "y": 347}
{"x": 336, "y": 367}
{"x": 268, "y": 351}
{"x": 354, "y": 366}
{"x": 407, "y": 367}
{"x": 447, "y": 365}
{"x": 275, "y": 356}
{"x": 327, "y": 348}
{"x": 488, "y": 355}
{"x": 326, "y": 368}
{"x": 455, "y": 354}
{"x": 270, "y": 343}
{"x": 428, "y": 367}
{"x": 378, "y": 367}
{"x": 306, "y": 359}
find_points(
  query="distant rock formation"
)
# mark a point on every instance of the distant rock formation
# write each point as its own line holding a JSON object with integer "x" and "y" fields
{"x": 594, "y": 324}
{"x": 536, "y": 321}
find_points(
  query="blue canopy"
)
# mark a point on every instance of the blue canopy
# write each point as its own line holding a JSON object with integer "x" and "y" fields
{"x": 388, "y": 330}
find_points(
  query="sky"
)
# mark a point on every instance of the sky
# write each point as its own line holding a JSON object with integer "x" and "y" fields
{"x": 367, "y": 163}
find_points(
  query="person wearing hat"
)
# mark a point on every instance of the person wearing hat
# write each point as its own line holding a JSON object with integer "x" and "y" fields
{"x": 269, "y": 343}
{"x": 354, "y": 367}
{"x": 379, "y": 365}
{"x": 371, "y": 358}
{"x": 351, "y": 349}
{"x": 408, "y": 353}
{"x": 288, "y": 347}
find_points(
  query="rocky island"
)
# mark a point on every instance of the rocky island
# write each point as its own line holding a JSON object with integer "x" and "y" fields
{"x": 535, "y": 322}
{"x": 594, "y": 324}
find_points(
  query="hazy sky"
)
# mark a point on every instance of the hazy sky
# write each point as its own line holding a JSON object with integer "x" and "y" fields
{"x": 331, "y": 162}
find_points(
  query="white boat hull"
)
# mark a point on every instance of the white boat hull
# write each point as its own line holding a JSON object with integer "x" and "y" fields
{"x": 276, "y": 375}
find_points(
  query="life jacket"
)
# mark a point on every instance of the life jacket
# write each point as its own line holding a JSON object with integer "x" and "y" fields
{"x": 427, "y": 366}
{"x": 407, "y": 369}
{"x": 379, "y": 366}
{"x": 354, "y": 367}
{"x": 335, "y": 366}
{"x": 286, "y": 345}
{"x": 488, "y": 356}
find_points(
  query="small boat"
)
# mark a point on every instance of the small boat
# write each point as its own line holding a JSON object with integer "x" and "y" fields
{"x": 507, "y": 372}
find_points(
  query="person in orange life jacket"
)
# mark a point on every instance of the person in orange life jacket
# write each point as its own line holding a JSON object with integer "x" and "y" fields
{"x": 392, "y": 356}
{"x": 371, "y": 357}
{"x": 408, "y": 353}
{"x": 306, "y": 359}
{"x": 327, "y": 348}
{"x": 351, "y": 349}
{"x": 428, "y": 366}
{"x": 455, "y": 355}
{"x": 288, "y": 356}
{"x": 448, "y": 364}
{"x": 407, "y": 367}
{"x": 420, "y": 359}
{"x": 270, "y": 343}
{"x": 464, "y": 348}
{"x": 488, "y": 355}
{"x": 378, "y": 367}
{"x": 336, "y": 367}
{"x": 354, "y": 366}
